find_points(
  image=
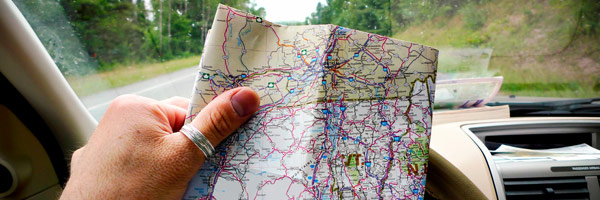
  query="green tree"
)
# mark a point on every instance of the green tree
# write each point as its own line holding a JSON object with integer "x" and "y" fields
{"x": 383, "y": 16}
{"x": 129, "y": 31}
{"x": 111, "y": 31}
{"x": 372, "y": 16}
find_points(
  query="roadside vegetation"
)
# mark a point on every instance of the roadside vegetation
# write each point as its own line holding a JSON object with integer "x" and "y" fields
{"x": 101, "y": 44}
{"x": 544, "y": 48}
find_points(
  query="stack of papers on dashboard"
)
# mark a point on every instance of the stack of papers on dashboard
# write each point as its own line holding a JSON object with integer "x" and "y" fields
{"x": 466, "y": 92}
{"x": 506, "y": 153}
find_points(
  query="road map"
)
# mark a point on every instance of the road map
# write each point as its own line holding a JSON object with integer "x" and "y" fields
{"x": 344, "y": 114}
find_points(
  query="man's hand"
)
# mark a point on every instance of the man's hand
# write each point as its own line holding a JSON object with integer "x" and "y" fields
{"x": 136, "y": 151}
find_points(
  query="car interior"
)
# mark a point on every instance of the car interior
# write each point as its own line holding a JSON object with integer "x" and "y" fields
{"x": 42, "y": 122}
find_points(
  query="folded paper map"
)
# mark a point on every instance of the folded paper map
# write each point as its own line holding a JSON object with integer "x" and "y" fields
{"x": 343, "y": 114}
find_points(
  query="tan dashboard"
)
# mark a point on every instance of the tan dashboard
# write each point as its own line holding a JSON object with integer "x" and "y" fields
{"x": 455, "y": 150}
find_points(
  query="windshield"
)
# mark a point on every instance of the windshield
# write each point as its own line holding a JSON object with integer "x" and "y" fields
{"x": 537, "y": 50}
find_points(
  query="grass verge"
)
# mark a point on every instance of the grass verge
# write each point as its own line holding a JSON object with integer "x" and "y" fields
{"x": 126, "y": 74}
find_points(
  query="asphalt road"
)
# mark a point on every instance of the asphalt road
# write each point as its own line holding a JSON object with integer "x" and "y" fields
{"x": 178, "y": 83}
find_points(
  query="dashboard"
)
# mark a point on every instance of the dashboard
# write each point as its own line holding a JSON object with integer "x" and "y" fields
{"x": 468, "y": 138}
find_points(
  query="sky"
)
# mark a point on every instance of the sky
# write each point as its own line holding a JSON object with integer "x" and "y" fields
{"x": 288, "y": 10}
{"x": 277, "y": 10}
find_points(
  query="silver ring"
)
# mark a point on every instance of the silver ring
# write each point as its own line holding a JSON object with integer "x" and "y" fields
{"x": 198, "y": 139}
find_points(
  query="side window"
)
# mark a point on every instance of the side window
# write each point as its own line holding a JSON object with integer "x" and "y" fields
{"x": 108, "y": 48}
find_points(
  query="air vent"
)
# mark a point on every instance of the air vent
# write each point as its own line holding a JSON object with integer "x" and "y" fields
{"x": 546, "y": 188}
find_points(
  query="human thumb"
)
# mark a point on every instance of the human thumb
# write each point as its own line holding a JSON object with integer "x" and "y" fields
{"x": 227, "y": 112}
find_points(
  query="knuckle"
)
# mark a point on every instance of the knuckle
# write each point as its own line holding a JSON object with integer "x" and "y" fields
{"x": 124, "y": 101}
{"x": 135, "y": 103}
{"x": 151, "y": 106}
{"x": 178, "y": 98}
{"x": 76, "y": 154}
{"x": 179, "y": 101}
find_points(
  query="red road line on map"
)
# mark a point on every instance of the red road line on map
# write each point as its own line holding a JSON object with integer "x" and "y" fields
{"x": 384, "y": 41}
{"x": 403, "y": 61}
{"x": 235, "y": 13}
{"x": 227, "y": 20}
{"x": 279, "y": 39}
{"x": 378, "y": 59}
